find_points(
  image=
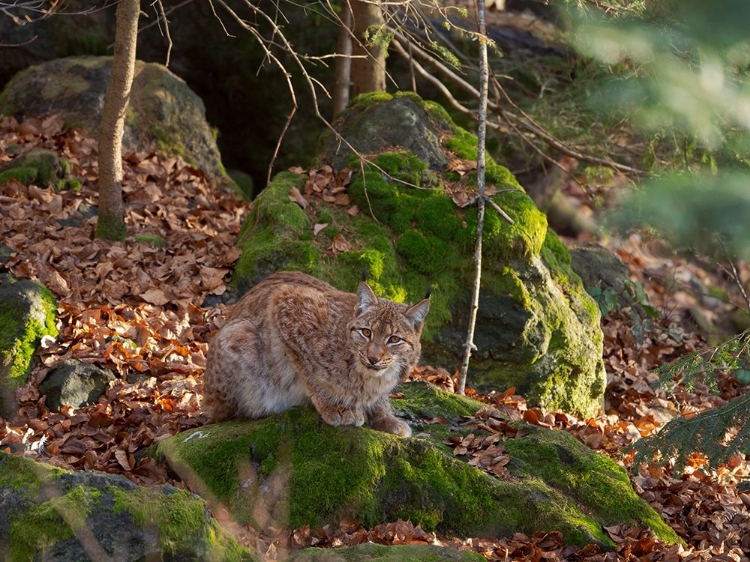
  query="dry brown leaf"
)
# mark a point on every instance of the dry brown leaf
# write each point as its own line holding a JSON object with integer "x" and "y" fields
{"x": 297, "y": 197}
{"x": 317, "y": 228}
{"x": 155, "y": 296}
{"x": 340, "y": 244}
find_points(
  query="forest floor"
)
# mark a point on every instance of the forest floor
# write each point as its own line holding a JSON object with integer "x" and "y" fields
{"x": 143, "y": 310}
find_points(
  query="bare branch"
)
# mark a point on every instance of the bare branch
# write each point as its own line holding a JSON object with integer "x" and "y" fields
{"x": 481, "y": 138}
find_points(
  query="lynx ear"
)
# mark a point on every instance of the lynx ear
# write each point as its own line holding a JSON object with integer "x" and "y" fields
{"x": 417, "y": 313}
{"x": 365, "y": 298}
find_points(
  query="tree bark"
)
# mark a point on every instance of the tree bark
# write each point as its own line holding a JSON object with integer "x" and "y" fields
{"x": 343, "y": 62}
{"x": 368, "y": 73}
{"x": 110, "y": 224}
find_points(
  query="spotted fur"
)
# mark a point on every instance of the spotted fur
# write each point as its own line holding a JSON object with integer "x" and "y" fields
{"x": 294, "y": 340}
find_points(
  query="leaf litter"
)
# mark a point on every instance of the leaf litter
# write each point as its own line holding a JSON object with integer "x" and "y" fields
{"x": 139, "y": 308}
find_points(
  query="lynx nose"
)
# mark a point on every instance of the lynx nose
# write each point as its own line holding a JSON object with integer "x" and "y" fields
{"x": 372, "y": 360}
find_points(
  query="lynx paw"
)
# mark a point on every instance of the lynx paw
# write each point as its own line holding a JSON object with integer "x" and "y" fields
{"x": 392, "y": 425}
{"x": 342, "y": 416}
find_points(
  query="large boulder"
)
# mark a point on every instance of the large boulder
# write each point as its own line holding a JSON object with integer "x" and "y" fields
{"x": 27, "y": 313}
{"x": 291, "y": 470}
{"x": 164, "y": 113}
{"x": 537, "y": 329}
{"x": 60, "y": 516}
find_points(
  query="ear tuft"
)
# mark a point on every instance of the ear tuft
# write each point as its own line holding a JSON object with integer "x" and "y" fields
{"x": 417, "y": 313}
{"x": 366, "y": 299}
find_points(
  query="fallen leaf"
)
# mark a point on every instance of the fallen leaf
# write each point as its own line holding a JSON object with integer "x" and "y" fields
{"x": 318, "y": 228}
{"x": 155, "y": 296}
{"x": 297, "y": 197}
{"x": 340, "y": 244}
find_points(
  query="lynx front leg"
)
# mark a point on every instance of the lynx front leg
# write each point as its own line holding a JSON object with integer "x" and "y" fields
{"x": 381, "y": 418}
{"x": 337, "y": 414}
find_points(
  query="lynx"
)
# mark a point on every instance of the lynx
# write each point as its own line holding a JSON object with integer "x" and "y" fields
{"x": 294, "y": 340}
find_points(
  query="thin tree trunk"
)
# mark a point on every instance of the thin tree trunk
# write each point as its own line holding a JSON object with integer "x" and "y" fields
{"x": 111, "y": 222}
{"x": 344, "y": 62}
{"x": 481, "y": 138}
{"x": 368, "y": 73}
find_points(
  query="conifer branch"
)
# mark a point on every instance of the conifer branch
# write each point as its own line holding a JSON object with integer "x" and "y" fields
{"x": 718, "y": 434}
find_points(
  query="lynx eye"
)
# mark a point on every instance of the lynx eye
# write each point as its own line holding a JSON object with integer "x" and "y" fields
{"x": 394, "y": 339}
{"x": 366, "y": 332}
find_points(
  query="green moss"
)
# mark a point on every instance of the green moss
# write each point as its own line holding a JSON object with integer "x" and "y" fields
{"x": 181, "y": 519}
{"x": 151, "y": 239}
{"x": 110, "y": 226}
{"x": 426, "y": 254}
{"x": 437, "y": 215}
{"x": 402, "y": 165}
{"x": 19, "y": 474}
{"x": 291, "y": 470}
{"x": 508, "y": 282}
{"x": 426, "y": 401}
{"x": 6, "y": 107}
{"x": 71, "y": 86}
{"x": 68, "y": 185}
{"x": 590, "y": 479}
{"x": 370, "y": 98}
{"x": 18, "y": 342}
{"x": 45, "y": 524}
{"x": 25, "y": 175}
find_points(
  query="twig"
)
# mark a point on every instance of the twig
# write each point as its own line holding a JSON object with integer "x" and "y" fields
{"x": 523, "y": 122}
{"x": 162, "y": 15}
{"x": 735, "y": 274}
{"x": 278, "y": 143}
{"x": 481, "y": 138}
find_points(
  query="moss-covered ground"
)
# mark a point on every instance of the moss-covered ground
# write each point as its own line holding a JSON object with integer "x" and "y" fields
{"x": 292, "y": 469}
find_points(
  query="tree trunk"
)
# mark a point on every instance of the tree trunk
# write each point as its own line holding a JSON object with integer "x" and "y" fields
{"x": 368, "y": 73}
{"x": 343, "y": 62}
{"x": 111, "y": 222}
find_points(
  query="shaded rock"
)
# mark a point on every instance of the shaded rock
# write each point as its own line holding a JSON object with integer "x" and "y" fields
{"x": 164, "y": 114}
{"x": 5, "y": 254}
{"x": 370, "y": 552}
{"x": 74, "y": 383}
{"x": 599, "y": 267}
{"x": 27, "y": 313}
{"x": 538, "y": 329}
{"x": 371, "y": 126}
{"x": 56, "y": 515}
{"x": 292, "y": 469}
{"x": 38, "y": 166}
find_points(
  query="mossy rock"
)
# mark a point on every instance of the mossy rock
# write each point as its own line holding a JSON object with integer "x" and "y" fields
{"x": 60, "y": 516}
{"x": 38, "y": 166}
{"x": 292, "y": 469}
{"x": 373, "y": 127}
{"x": 370, "y": 552}
{"x": 28, "y": 312}
{"x": 164, "y": 113}
{"x": 538, "y": 329}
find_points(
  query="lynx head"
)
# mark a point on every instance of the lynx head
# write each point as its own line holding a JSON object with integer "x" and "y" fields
{"x": 384, "y": 335}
